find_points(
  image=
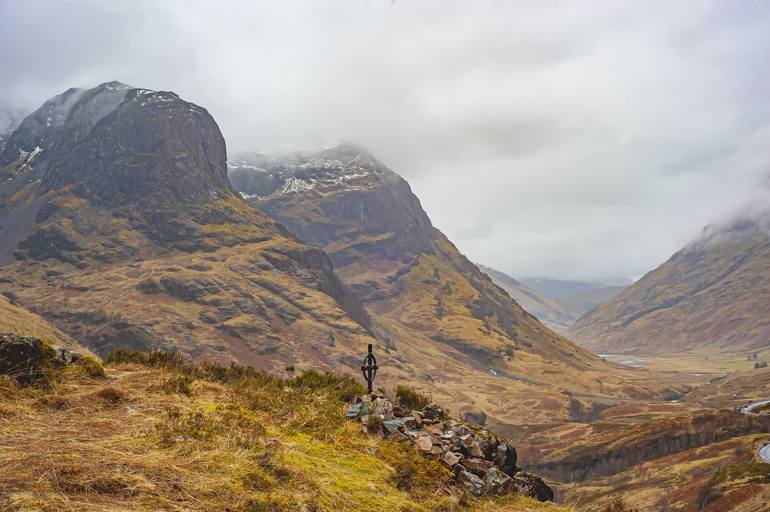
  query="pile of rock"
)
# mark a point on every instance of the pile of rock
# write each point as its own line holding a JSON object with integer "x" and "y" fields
{"x": 482, "y": 463}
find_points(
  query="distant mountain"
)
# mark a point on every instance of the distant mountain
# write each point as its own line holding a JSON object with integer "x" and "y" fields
{"x": 577, "y": 297}
{"x": 118, "y": 225}
{"x": 712, "y": 294}
{"x": 559, "y": 288}
{"x": 546, "y": 310}
{"x": 434, "y": 308}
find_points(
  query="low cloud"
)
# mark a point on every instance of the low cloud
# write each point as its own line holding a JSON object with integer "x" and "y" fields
{"x": 567, "y": 139}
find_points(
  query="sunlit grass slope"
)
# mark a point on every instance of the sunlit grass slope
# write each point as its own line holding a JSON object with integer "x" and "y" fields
{"x": 157, "y": 435}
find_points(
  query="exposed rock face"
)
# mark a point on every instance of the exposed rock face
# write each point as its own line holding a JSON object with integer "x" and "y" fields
{"x": 483, "y": 463}
{"x": 711, "y": 294}
{"x": 117, "y": 214}
{"x": 435, "y": 310}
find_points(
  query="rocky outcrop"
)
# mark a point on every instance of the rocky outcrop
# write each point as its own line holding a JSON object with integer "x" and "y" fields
{"x": 25, "y": 358}
{"x": 482, "y": 463}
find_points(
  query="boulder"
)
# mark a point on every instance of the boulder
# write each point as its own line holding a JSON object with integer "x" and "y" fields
{"x": 25, "y": 358}
{"x": 476, "y": 417}
{"x": 423, "y": 444}
{"x": 476, "y": 466}
{"x": 496, "y": 482}
{"x": 471, "y": 482}
{"x": 384, "y": 408}
{"x": 433, "y": 411}
{"x": 529, "y": 484}
{"x": 505, "y": 458}
{"x": 393, "y": 425}
{"x": 451, "y": 459}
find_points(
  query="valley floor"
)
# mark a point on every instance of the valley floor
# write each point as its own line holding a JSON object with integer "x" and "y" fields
{"x": 694, "y": 452}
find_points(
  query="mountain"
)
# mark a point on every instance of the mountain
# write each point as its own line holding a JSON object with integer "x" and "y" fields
{"x": 581, "y": 303}
{"x": 561, "y": 288}
{"x": 431, "y": 305}
{"x": 118, "y": 225}
{"x": 712, "y": 295}
{"x": 9, "y": 120}
{"x": 546, "y": 310}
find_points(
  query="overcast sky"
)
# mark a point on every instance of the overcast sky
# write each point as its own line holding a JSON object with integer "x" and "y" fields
{"x": 581, "y": 139}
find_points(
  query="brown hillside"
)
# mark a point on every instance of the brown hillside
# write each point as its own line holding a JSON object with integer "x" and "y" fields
{"x": 712, "y": 295}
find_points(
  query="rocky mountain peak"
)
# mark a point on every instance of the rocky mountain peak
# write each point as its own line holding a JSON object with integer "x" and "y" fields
{"x": 151, "y": 144}
{"x": 335, "y": 168}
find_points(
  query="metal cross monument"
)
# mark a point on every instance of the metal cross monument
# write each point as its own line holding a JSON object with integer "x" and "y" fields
{"x": 369, "y": 368}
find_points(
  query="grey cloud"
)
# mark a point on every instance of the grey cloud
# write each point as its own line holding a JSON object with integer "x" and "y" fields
{"x": 568, "y": 139}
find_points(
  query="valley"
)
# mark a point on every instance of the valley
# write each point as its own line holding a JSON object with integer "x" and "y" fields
{"x": 125, "y": 224}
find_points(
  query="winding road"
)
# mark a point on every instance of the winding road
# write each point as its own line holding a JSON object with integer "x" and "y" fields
{"x": 764, "y": 452}
{"x": 746, "y": 409}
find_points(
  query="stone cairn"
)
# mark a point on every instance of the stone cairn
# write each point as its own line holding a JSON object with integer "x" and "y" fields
{"x": 481, "y": 462}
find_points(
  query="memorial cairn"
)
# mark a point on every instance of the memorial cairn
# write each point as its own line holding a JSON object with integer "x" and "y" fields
{"x": 483, "y": 463}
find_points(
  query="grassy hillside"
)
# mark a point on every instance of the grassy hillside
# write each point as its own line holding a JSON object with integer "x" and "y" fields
{"x": 156, "y": 435}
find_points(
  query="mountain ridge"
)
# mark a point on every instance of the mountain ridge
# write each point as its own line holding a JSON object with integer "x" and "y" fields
{"x": 709, "y": 295}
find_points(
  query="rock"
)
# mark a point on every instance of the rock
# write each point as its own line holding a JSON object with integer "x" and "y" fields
{"x": 433, "y": 411}
{"x": 471, "y": 482}
{"x": 451, "y": 459}
{"x": 25, "y": 358}
{"x": 529, "y": 484}
{"x": 423, "y": 444}
{"x": 476, "y": 466}
{"x": 496, "y": 482}
{"x": 476, "y": 417}
{"x": 384, "y": 408}
{"x": 397, "y": 424}
{"x": 506, "y": 458}
{"x": 357, "y": 410}
{"x": 398, "y": 437}
{"x": 436, "y": 428}
{"x": 471, "y": 447}
{"x": 489, "y": 447}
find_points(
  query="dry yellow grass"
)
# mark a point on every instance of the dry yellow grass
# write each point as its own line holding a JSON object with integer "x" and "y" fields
{"x": 206, "y": 438}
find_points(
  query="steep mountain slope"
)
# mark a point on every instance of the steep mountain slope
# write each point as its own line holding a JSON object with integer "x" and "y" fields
{"x": 712, "y": 295}
{"x": 546, "y": 310}
{"x": 434, "y": 306}
{"x": 119, "y": 226}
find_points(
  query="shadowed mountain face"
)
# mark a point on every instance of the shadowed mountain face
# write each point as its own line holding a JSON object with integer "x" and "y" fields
{"x": 118, "y": 225}
{"x": 432, "y": 304}
{"x": 711, "y": 295}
